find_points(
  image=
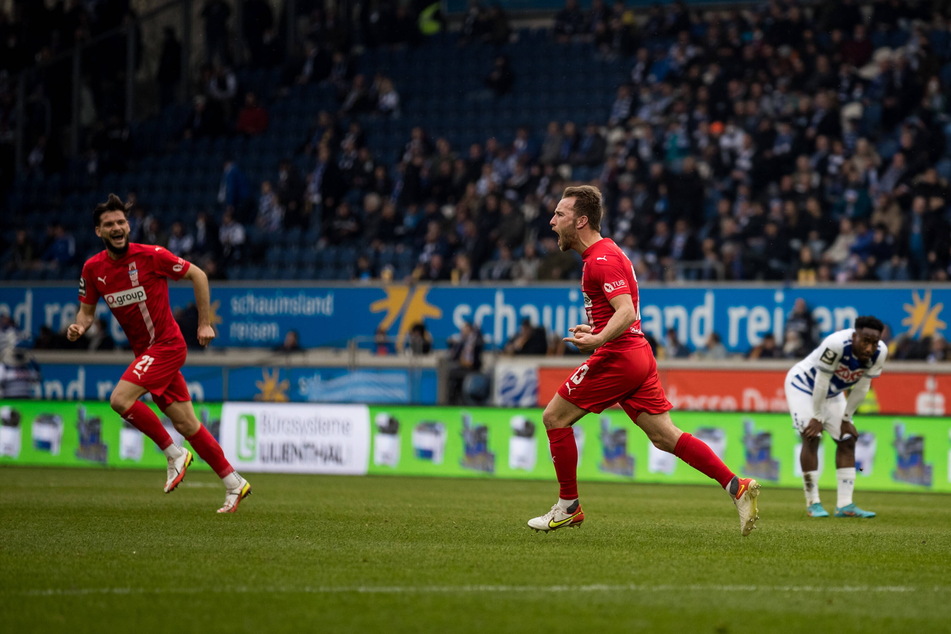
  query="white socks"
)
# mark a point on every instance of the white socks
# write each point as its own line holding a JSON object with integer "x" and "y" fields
{"x": 232, "y": 480}
{"x": 172, "y": 451}
{"x": 846, "y": 479}
{"x": 810, "y": 486}
{"x": 564, "y": 504}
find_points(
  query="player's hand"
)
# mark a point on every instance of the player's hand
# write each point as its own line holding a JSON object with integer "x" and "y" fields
{"x": 74, "y": 332}
{"x": 205, "y": 335}
{"x": 813, "y": 429}
{"x": 848, "y": 430}
{"x": 583, "y": 339}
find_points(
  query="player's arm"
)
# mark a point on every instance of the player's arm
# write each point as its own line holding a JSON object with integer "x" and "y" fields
{"x": 84, "y": 319}
{"x": 624, "y": 315}
{"x": 203, "y": 302}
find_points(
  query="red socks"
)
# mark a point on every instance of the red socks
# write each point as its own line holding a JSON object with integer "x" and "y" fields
{"x": 564, "y": 453}
{"x": 210, "y": 451}
{"x": 144, "y": 419}
{"x": 698, "y": 455}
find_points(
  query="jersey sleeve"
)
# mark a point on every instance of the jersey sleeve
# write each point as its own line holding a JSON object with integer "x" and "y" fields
{"x": 169, "y": 264}
{"x": 87, "y": 290}
{"x": 612, "y": 276}
{"x": 876, "y": 370}
{"x": 832, "y": 351}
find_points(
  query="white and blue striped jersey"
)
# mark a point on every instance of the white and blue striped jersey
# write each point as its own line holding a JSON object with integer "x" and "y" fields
{"x": 834, "y": 356}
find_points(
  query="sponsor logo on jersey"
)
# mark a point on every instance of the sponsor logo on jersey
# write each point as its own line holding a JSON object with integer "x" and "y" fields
{"x": 133, "y": 274}
{"x": 124, "y": 298}
{"x": 587, "y": 300}
{"x": 610, "y": 287}
{"x": 602, "y": 257}
{"x": 849, "y": 375}
{"x": 82, "y": 287}
{"x": 828, "y": 356}
{"x": 179, "y": 265}
{"x": 102, "y": 279}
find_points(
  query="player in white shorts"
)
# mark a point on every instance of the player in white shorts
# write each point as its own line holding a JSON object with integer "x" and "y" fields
{"x": 815, "y": 392}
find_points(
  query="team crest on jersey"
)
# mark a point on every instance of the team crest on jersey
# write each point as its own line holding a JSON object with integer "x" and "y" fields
{"x": 124, "y": 298}
{"x": 133, "y": 274}
{"x": 610, "y": 287}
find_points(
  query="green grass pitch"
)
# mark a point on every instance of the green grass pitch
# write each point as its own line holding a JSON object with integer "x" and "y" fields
{"x": 85, "y": 550}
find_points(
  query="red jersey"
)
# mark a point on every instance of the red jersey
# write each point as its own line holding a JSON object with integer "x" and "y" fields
{"x": 607, "y": 272}
{"x": 135, "y": 288}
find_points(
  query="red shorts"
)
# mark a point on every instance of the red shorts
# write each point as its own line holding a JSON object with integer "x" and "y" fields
{"x": 607, "y": 377}
{"x": 158, "y": 370}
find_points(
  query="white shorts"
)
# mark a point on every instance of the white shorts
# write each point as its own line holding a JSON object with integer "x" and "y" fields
{"x": 800, "y": 408}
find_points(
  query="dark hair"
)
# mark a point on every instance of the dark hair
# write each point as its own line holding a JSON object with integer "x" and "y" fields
{"x": 869, "y": 322}
{"x": 113, "y": 203}
{"x": 587, "y": 203}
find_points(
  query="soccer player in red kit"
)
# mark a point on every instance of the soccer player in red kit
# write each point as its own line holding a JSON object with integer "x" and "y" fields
{"x": 132, "y": 279}
{"x": 621, "y": 369}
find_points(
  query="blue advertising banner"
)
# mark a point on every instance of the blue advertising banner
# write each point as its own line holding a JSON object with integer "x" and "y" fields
{"x": 259, "y": 316}
{"x": 67, "y": 382}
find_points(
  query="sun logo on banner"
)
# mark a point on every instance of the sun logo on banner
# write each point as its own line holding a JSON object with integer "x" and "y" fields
{"x": 922, "y": 319}
{"x": 273, "y": 389}
{"x": 408, "y": 304}
{"x": 215, "y": 317}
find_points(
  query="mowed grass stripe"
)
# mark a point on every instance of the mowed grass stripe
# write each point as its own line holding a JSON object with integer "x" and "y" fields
{"x": 486, "y": 589}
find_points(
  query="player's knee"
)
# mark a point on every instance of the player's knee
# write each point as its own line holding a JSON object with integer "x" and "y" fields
{"x": 120, "y": 403}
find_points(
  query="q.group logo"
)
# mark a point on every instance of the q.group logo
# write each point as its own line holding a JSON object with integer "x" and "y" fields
{"x": 247, "y": 437}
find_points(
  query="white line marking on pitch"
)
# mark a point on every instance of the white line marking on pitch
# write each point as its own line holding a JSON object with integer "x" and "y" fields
{"x": 470, "y": 589}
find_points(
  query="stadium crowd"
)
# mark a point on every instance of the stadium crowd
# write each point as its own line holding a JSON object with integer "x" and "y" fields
{"x": 777, "y": 141}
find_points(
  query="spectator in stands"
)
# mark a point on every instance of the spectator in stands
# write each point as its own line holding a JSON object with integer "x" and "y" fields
{"x": 290, "y": 344}
{"x": 234, "y": 189}
{"x": 202, "y": 120}
{"x": 253, "y": 117}
{"x": 10, "y": 333}
{"x": 387, "y": 98}
{"x": 207, "y": 238}
{"x": 501, "y": 78}
{"x": 232, "y": 237}
{"x": 181, "y": 242}
{"x": 344, "y": 227}
{"x": 462, "y": 272}
{"x": 21, "y": 256}
{"x": 766, "y": 348}
{"x": 419, "y": 341}
{"x": 712, "y": 350}
{"x": 800, "y": 321}
{"x": 20, "y": 375}
{"x": 673, "y": 347}
{"x": 61, "y": 250}
{"x": 154, "y": 233}
{"x": 465, "y": 358}
{"x": 270, "y": 218}
{"x": 528, "y": 340}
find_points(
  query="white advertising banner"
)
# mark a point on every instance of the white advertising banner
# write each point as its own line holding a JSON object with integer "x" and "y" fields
{"x": 515, "y": 383}
{"x": 296, "y": 437}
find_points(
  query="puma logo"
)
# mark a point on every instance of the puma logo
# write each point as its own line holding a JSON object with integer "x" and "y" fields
{"x": 569, "y": 388}
{"x": 602, "y": 257}
{"x": 137, "y": 373}
{"x": 102, "y": 279}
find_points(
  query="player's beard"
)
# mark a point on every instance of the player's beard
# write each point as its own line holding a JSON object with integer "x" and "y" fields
{"x": 565, "y": 240}
{"x": 114, "y": 250}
